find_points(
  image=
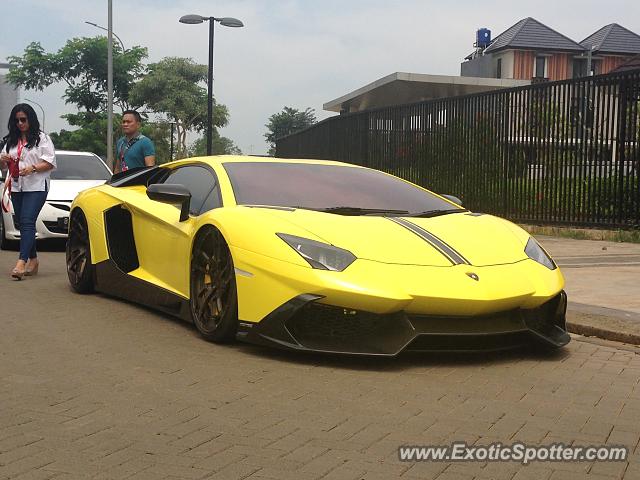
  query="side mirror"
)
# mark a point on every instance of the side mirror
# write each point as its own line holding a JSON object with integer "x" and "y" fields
{"x": 452, "y": 198}
{"x": 173, "y": 194}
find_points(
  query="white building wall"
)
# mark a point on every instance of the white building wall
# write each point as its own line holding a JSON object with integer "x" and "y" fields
{"x": 508, "y": 59}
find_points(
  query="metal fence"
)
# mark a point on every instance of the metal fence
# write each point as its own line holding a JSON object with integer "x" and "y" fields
{"x": 563, "y": 153}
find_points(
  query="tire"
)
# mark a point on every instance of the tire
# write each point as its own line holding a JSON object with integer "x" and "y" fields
{"x": 4, "y": 243}
{"x": 213, "y": 291}
{"x": 78, "y": 254}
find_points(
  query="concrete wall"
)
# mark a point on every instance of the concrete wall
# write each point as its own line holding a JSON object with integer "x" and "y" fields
{"x": 481, "y": 66}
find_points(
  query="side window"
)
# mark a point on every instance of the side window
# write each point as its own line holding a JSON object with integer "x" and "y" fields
{"x": 200, "y": 182}
{"x": 212, "y": 201}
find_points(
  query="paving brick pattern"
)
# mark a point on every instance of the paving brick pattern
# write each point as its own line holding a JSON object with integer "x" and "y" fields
{"x": 93, "y": 387}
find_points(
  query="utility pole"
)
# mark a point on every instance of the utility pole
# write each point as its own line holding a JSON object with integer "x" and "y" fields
{"x": 110, "y": 161}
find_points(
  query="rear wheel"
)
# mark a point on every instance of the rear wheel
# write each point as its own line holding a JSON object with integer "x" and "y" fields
{"x": 214, "y": 297}
{"x": 79, "y": 267}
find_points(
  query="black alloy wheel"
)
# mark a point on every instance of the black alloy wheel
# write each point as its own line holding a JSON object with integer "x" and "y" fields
{"x": 79, "y": 267}
{"x": 214, "y": 296}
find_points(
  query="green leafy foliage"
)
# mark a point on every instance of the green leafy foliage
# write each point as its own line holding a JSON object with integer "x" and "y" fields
{"x": 173, "y": 87}
{"x": 160, "y": 134}
{"x": 82, "y": 64}
{"x": 89, "y": 137}
{"x": 286, "y": 122}
{"x": 92, "y": 131}
{"x": 220, "y": 146}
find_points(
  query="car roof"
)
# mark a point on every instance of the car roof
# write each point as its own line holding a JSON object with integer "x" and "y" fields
{"x": 221, "y": 159}
{"x": 72, "y": 152}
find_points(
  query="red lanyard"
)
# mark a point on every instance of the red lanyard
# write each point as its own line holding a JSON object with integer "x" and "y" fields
{"x": 19, "y": 147}
{"x": 123, "y": 149}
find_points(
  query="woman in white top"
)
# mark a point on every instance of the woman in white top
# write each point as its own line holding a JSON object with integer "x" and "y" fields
{"x": 30, "y": 156}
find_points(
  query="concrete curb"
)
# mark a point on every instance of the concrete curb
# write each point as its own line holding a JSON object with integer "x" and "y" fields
{"x": 605, "y": 323}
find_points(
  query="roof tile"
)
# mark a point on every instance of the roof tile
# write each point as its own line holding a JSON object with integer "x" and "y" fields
{"x": 613, "y": 38}
{"x": 530, "y": 34}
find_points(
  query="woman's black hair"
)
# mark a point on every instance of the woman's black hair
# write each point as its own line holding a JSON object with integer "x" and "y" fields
{"x": 33, "y": 135}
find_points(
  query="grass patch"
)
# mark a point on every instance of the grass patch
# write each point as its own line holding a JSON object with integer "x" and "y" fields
{"x": 629, "y": 236}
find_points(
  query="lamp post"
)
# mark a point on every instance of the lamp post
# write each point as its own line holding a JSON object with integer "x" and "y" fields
{"x": 42, "y": 109}
{"x": 110, "y": 36}
{"x": 107, "y": 30}
{"x": 226, "y": 22}
{"x": 110, "y": 160}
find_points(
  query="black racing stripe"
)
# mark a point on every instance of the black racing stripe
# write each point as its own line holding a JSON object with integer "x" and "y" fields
{"x": 452, "y": 255}
{"x": 414, "y": 229}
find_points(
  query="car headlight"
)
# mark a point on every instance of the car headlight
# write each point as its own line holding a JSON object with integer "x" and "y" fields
{"x": 319, "y": 255}
{"x": 535, "y": 252}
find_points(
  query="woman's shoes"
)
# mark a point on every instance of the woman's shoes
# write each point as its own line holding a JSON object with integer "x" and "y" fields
{"x": 32, "y": 268}
{"x": 17, "y": 274}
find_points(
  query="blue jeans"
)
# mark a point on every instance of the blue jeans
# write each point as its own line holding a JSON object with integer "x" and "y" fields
{"x": 27, "y": 206}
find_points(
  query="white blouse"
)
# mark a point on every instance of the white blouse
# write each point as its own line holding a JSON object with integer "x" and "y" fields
{"x": 39, "y": 181}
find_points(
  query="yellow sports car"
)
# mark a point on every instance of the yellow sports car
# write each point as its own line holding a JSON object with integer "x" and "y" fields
{"x": 314, "y": 255}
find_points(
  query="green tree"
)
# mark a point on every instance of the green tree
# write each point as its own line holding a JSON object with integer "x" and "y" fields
{"x": 286, "y": 122}
{"x": 160, "y": 133}
{"x": 82, "y": 65}
{"x": 174, "y": 87}
{"x": 220, "y": 146}
{"x": 89, "y": 137}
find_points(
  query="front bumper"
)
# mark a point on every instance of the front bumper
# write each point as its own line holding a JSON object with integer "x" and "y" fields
{"x": 50, "y": 223}
{"x": 303, "y": 324}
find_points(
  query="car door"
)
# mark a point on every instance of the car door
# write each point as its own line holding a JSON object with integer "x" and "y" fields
{"x": 163, "y": 242}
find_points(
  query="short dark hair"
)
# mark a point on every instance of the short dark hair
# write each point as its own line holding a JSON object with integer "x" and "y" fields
{"x": 135, "y": 114}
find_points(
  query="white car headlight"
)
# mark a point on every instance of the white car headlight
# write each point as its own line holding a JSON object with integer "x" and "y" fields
{"x": 319, "y": 255}
{"x": 535, "y": 252}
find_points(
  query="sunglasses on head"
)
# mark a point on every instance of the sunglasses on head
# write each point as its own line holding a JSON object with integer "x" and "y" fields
{"x": 21, "y": 120}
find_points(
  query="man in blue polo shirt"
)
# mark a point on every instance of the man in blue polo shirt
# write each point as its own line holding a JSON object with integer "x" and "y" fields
{"x": 134, "y": 150}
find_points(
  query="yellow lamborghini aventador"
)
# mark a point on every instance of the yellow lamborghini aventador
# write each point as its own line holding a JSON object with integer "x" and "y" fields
{"x": 314, "y": 255}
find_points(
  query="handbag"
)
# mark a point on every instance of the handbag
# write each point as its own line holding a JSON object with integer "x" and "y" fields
{"x": 12, "y": 176}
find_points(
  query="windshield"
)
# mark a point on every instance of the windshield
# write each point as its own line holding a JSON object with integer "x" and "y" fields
{"x": 79, "y": 167}
{"x": 321, "y": 187}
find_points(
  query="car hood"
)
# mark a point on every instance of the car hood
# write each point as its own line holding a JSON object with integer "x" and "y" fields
{"x": 479, "y": 239}
{"x": 68, "y": 189}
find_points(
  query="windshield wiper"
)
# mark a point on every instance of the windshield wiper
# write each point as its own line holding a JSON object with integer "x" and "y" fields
{"x": 437, "y": 213}
{"x": 362, "y": 211}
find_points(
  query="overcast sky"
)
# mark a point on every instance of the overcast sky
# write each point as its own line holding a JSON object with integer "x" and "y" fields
{"x": 298, "y": 53}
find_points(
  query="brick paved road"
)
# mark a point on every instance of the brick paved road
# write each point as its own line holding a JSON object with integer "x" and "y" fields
{"x": 92, "y": 387}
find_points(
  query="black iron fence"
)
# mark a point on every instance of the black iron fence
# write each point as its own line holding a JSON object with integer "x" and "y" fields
{"x": 564, "y": 153}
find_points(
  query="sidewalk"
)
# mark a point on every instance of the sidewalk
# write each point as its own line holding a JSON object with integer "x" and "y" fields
{"x": 603, "y": 286}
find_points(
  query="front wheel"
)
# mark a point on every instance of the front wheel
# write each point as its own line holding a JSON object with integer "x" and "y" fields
{"x": 214, "y": 296}
{"x": 4, "y": 243}
{"x": 78, "y": 253}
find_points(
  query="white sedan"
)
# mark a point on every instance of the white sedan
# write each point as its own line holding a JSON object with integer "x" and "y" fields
{"x": 76, "y": 171}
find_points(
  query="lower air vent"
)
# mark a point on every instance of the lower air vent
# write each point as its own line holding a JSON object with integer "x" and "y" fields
{"x": 122, "y": 245}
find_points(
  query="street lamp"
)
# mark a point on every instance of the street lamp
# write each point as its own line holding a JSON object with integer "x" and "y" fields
{"x": 106, "y": 29}
{"x": 42, "y": 109}
{"x": 226, "y": 22}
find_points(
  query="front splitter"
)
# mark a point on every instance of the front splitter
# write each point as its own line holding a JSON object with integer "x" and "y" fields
{"x": 302, "y": 324}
